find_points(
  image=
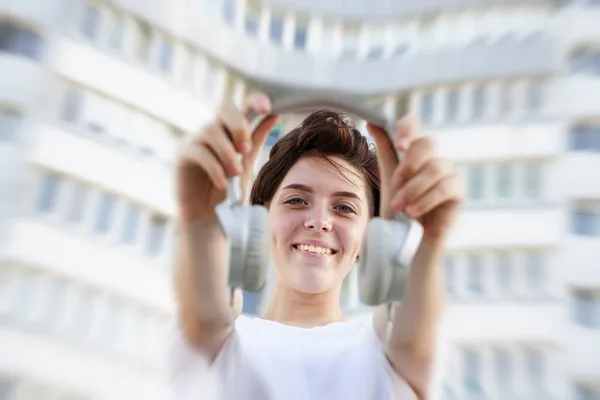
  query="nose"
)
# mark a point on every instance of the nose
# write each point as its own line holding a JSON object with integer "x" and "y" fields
{"x": 319, "y": 220}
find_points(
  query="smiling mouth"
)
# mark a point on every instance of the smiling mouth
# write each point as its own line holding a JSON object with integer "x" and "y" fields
{"x": 314, "y": 249}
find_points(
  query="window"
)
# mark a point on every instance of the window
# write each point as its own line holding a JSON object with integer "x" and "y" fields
{"x": 300, "y": 36}
{"x": 586, "y": 139}
{"x": 229, "y": 11}
{"x": 504, "y": 271}
{"x": 475, "y": 274}
{"x": 117, "y": 31}
{"x": 350, "y": 41}
{"x": 82, "y": 319}
{"x": 251, "y": 303}
{"x": 21, "y": 41}
{"x": 375, "y": 53}
{"x": 276, "y": 30}
{"x": 506, "y": 102}
{"x": 472, "y": 371}
{"x": 130, "y": 228}
{"x": 7, "y": 389}
{"x": 77, "y": 203}
{"x": 502, "y": 367}
{"x": 71, "y": 105}
{"x": 111, "y": 322}
{"x": 165, "y": 55}
{"x": 478, "y": 106}
{"x": 504, "y": 185}
{"x": 534, "y": 362}
{"x": 8, "y": 125}
{"x": 156, "y": 235}
{"x": 585, "y": 223}
{"x": 534, "y": 270}
{"x": 274, "y": 135}
{"x": 252, "y": 18}
{"x": 533, "y": 177}
{"x": 48, "y": 193}
{"x": 105, "y": 213}
{"x": 427, "y": 108}
{"x": 586, "y": 62}
{"x": 534, "y": 97}
{"x": 54, "y": 303}
{"x": 143, "y": 43}
{"x": 24, "y": 296}
{"x": 452, "y": 105}
{"x": 586, "y": 308}
{"x": 475, "y": 182}
{"x": 90, "y": 23}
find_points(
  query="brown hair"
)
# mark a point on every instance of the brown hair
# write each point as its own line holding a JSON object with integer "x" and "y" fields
{"x": 322, "y": 134}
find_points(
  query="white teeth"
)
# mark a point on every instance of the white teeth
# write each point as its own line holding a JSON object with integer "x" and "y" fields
{"x": 314, "y": 249}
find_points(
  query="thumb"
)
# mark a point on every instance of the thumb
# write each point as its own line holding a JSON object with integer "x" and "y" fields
{"x": 387, "y": 159}
{"x": 259, "y": 137}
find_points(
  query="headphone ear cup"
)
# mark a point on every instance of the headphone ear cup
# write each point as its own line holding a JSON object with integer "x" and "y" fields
{"x": 257, "y": 249}
{"x": 381, "y": 275}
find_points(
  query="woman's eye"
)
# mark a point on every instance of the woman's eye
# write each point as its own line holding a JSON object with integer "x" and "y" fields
{"x": 295, "y": 201}
{"x": 345, "y": 208}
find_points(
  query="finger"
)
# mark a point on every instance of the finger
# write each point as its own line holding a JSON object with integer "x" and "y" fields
{"x": 259, "y": 137}
{"x": 407, "y": 130}
{"x": 445, "y": 191}
{"x": 201, "y": 155}
{"x": 432, "y": 173}
{"x": 420, "y": 152}
{"x": 218, "y": 141}
{"x": 387, "y": 159}
{"x": 235, "y": 123}
{"x": 256, "y": 102}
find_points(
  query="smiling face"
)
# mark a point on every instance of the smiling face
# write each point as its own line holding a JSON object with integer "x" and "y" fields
{"x": 318, "y": 217}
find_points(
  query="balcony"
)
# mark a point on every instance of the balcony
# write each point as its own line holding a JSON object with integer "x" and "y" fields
{"x": 272, "y": 65}
{"x": 502, "y": 227}
{"x": 579, "y": 175}
{"x": 578, "y": 24}
{"x": 26, "y": 90}
{"x": 374, "y": 9}
{"x": 91, "y": 374}
{"x": 580, "y": 254}
{"x": 143, "y": 89}
{"x": 497, "y": 141}
{"x": 537, "y": 322}
{"x": 142, "y": 179}
{"x": 574, "y": 97}
{"x": 39, "y": 12}
{"x": 89, "y": 262}
{"x": 584, "y": 354}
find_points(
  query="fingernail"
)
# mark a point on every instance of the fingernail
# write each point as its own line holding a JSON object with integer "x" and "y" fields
{"x": 246, "y": 147}
{"x": 397, "y": 203}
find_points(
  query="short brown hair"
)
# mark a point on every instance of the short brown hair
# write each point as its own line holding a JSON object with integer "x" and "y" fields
{"x": 322, "y": 134}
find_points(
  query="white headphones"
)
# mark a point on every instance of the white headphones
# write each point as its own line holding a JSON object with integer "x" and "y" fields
{"x": 385, "y": 255}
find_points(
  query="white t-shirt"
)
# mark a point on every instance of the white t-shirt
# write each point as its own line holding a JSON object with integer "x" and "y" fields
{"x": 266, "y": 360}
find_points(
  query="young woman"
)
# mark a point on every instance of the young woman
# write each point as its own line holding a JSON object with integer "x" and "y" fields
{"x": 321, "y": 186}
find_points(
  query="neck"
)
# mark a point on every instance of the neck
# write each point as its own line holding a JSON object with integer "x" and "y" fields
{"x": 292, "y": 307}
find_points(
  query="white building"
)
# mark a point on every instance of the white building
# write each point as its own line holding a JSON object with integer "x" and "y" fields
{"x": 96, "y": 96}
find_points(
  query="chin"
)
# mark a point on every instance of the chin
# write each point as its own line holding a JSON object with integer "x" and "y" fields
{"x": 312, "y": 280}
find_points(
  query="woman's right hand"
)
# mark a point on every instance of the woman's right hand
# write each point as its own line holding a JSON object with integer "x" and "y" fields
{"x": 213, "y": 155}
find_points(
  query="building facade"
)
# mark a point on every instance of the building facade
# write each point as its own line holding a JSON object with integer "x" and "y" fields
{"x": 97, "y": 96}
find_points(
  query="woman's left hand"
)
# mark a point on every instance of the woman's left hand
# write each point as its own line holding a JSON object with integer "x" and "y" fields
{"x": 422, "y": 185}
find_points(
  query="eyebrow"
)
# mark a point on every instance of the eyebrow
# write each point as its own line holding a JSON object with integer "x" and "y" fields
{"x": 308, "y": 189}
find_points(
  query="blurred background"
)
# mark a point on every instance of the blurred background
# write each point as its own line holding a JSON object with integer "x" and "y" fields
{"x": 97, "y": 96}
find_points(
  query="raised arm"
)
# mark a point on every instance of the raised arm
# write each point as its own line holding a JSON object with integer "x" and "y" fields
{"x": 429, "y": 190}
{"x": 206, "y": 308}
